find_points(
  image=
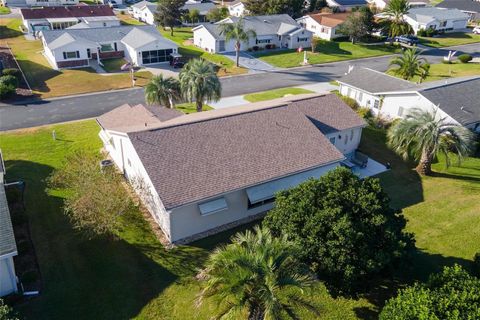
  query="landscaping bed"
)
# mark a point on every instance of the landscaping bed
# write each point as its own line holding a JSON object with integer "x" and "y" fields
{"x": 190, "y": 107}
{"x": 450, "y": 39}
{"x": 8, "y": 61}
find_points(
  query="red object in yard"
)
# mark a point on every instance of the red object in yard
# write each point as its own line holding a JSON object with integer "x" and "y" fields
{"x": 300, "y": 49}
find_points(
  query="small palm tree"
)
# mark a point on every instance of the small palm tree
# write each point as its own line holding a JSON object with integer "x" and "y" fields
{"x": 163, "y": 91}
{"x": 409, "y": 65}
{"x": 236, "y": 31}
{"x": 394, "y": 20}
{"x": 424, "y": 134}
{"x": 256, "y": 277}
{"x": 199, "y": 82}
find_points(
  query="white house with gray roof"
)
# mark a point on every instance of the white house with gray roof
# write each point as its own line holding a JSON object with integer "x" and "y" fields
{"x": 8, "y": 247}
{"x": 440, "y": 19}
{"x": 456, "y": 99}
{"x": 197, "y": 180}
{"x": 73, "y": 48}
{"x": 281, "y": 31}
{"x": 144, "y": 11}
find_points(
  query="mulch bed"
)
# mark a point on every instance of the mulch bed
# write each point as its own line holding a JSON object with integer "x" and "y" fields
{"x": 9, "y": 62}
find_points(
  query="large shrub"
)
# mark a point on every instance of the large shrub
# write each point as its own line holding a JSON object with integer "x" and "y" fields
{"x": 465, "y": 58}
{"x": 9, "y": 80}
{"x": 6, "y": 313}
{"x": 11, "y": 72}
{"x": 6, "y": 90}
{"x": 476, "y": 264}
{"x": 451, "y": 294}
{"x": 345, "y": 227}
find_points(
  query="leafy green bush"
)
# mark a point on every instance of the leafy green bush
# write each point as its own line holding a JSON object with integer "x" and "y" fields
{"x": 431, "y": 32}
{"x": 365, "y": 113}
{"x": 451, "y": 294}
{"x": 9, "y": 80}
{"x": 12, "y": 72}
{"x": 422, "y": 33}
{"x": 476, "y": 264}
{"x": 345, "y": 227}
{"x": 6, "y": 313}
{"x": 465, "y": 58}
{"x": 350, "y": 102}
{"x": 6, "y": 90}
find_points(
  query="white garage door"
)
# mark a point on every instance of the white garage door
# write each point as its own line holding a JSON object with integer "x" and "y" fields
{"x": 460, "y": 24}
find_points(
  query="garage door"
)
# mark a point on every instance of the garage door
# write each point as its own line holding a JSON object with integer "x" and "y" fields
{"x": 156, "y": 56}
{"x": 460, "y": 24}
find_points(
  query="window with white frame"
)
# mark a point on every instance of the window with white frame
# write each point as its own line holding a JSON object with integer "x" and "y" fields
{"x": 107, "y": 47}
{"x": 71, "y": 55}
{"x": 376, "y": 104}
{"x": 302, "y": 39}
{"x": 400, "y": 111}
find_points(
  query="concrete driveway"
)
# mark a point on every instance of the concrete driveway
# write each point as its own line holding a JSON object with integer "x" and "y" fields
{"x": 163, "y": 68}
{"x": 250, "y": 62}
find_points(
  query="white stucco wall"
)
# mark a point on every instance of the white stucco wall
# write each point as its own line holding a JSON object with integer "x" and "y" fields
{"x": 144, "y": 14}
{"x": 103, "y": 23}
{"x": 57, "y": 54}
{"x": 346, "y": 141}
{"x": 237, "y": 10}
{"x": 8, "y": 280}
{"x": 51, "y": 2}
{"x": 435, "y": 24}
{"x": 323, "y": 32}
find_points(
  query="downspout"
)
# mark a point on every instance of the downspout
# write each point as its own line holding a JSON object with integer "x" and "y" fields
{"x": 123, "y": 158}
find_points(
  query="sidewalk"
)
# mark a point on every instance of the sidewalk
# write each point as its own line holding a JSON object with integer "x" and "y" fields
{"x": 320, "y": 87}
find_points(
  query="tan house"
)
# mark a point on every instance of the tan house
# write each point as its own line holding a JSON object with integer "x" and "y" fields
{"x": 324, "y": 25}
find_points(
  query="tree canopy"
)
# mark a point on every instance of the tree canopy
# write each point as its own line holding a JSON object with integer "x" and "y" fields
{"x": 394, "y": 23}
{"x": 217, "y": 14}
{"x": 345, "y": 227}
{"x": 169, "y": 12}
{"x": 358, "y": 25}
{"x": 265, "y": 7}
{"x": 163, "y": 91}
{"x": 409, "y": 65}
{"x": 451, "y": 294}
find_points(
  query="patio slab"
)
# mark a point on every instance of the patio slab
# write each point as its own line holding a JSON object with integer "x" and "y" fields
{"x": 373, "y": 168}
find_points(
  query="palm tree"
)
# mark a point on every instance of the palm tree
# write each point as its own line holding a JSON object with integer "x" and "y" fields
{"x": 199, "y": 82}
{"x": 424, "y": 134}
{"x": 257, "y": 277}
{"x": 236, "y": 31}
{"x": 394, "y": 21}
{"x": 163, "y": 91}
{"x": 409, "y": 65}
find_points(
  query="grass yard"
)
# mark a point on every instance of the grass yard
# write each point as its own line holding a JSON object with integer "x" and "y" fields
{"x": 127, "y": 19}
{"x": 191, "y": 108}
{"x": 181, "y": 36}
{"x": 47, "y": 82}
{"x": 439, "y": 71}
{"x": 450, "y": 39}
{"x": 113, "y": 65}
{"x": 274, "y": 94}
{"x": 327, "y": 51}
{"x": 4, "y": 10}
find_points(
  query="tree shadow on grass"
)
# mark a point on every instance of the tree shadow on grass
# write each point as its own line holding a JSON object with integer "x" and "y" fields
{"x": 6, "y": 32}
{"x": 86, "y": 279}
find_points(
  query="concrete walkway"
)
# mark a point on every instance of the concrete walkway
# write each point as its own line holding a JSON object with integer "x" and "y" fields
{"x": 250, "y": 62}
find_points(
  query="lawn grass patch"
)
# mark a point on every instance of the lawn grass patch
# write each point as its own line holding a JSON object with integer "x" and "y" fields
{"x": 327, "y": 51}
{"x": 274, "y": 94}
{"x": 4, "y": 10}
{"x": 47, "y": 82}
{"x": 450, "y": 39}
{"x": 113, "y": 65}
{"x": 126, "y": 19}
{"x": 190, "y": 107}
{"x": 439, "y": 71}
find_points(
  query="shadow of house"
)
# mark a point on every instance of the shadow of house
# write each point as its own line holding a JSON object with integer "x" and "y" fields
{"x": 6, "y": 32}
{"x": 82, "y": 278}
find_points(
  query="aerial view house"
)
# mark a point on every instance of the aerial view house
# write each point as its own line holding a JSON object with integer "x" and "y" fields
{"x": 43, "y": 3}
{"x": 436, "y": 18}
{"x": 323, "y": 25}
{"x": 455, "y": 99}
{"x": 62, "y": 17}
{"x": 73, "y": 48}
{"x": 8, "y": 247}
{"x": 346, "y": 5}
{"x": 281, "y": 31}
{"x": 381, "y": 4}
{"x": 196, "y": 180}
{"x": 237, "y": 8}
{"x": 144, "y": 11}
{"x": 202, "y": 7}
{"x": 470, "y": 7}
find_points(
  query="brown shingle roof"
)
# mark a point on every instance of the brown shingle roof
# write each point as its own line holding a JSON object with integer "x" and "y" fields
{"x": 330, "y": 19}
{"x": 76, "y": 11}
{"x": 188, "y": 162}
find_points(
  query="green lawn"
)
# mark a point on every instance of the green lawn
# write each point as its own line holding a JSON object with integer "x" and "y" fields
{"x": 181, "y": 35}
{"x": 274, "y": 94}
{"x": 450, "y": 39}
{"x": 4, "y": 10}
{"x": 191, "y": 108}
{"x": 113, "y": 65}
{"x": 126, "y": 19}
{"x": 439, "y": 71}
{"x": 135, "y": 277}
{"x": 327, "y": 51}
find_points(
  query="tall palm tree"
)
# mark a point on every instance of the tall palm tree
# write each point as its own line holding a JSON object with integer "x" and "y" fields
{"x": 236, "y": 31}
{"x": 199, "y": 82}
{"x": 394, "y": 21}
{"x": 424, "y": 134}
{"x": 256, "y": 277}
{"x": 163, "y": 91}
{"x": 409, "y": 65}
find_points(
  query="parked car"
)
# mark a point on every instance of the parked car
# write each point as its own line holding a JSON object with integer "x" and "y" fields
{"x": 406, "y": 39}
{"x": 113, "y": 4}
{"x": 177, "y": 63}
{"x": 476, "y": 30}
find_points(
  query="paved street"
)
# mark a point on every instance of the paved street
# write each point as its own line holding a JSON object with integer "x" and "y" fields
{"x": 92, "y": 105}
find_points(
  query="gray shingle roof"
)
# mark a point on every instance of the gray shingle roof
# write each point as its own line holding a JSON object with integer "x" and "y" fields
{"x": 193, "y": 161}
{"x": 262, "y": 25}
{"x": 203, "y": 8}
{"x": 374, "y": 81}
{"x": 460, "y": 100}
{"x": 7, "y": 238}
{"x": 134, "y": 36}
{"x": 351, "y": 2}
{"x": 149, "y": 5}
{"x": 464, "y": 5}
{"x": 426, "y": 14}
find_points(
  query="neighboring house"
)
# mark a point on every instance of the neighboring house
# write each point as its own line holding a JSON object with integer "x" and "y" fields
{"x": 237, "y": 9}
{"x": 381, "y": 4}
{"x": 202, "y": 7}
{"x": 279, "y": 30}
{"x": 8, "y": 248}
{"x": 43, "y": 3}
{"x": 73, "y": 48}
{"x": 323, "y": 25}
{"x": 346, "y": 5}
{"x": 55, "y": 18}
{"x": 470, "y": 7}
{"x": 436, "y": 19}
{"x": 391, "y": 97}
{"x": 144, "y": 11}
{"x": 196, "y": 180}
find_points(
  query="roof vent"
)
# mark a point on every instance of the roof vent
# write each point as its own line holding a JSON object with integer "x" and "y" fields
{"x": 266, "y": 21}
